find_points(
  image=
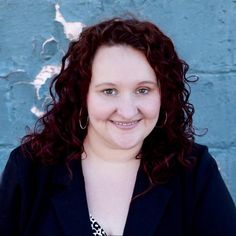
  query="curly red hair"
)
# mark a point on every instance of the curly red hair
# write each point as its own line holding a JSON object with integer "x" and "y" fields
{"x": 57, "y": 136}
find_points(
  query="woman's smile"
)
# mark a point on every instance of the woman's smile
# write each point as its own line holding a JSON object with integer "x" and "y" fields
{"x": 125, "y": 125}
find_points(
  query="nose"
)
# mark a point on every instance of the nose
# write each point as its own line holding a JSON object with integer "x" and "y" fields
{"x": 127, "y": 108}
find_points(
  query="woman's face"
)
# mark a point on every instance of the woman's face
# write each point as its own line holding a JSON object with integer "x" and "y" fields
{"x": 123, "y": 99}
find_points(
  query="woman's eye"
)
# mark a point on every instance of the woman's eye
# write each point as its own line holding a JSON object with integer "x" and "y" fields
{"x": 110, "y": 92}
{"x": 143, "y": 91}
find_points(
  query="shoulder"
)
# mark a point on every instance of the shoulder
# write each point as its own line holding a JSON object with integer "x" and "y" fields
{"x": 21, "y": 168}
{"x": 21, "y": 158}
{"x": 202, "y": 155}
{"x": 204, "y": 171}
{"x": 200, "y": 196}
{"x": 207, "y": 193}
{"x": 203, "y": 184}
{"x": 202, "y": 159}
{"x": 201, "y": 165}
{"x": 23, "y": 185}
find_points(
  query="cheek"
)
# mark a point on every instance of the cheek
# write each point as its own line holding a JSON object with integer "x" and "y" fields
{"x": 151, "y": 108}
{"x": 99, "y": 109}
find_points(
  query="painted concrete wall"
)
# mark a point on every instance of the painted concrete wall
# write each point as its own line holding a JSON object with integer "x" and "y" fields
{"x": 35, "y": 34}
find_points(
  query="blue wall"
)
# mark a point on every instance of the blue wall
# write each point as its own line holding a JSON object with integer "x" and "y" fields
{"x": 33, "y": 38}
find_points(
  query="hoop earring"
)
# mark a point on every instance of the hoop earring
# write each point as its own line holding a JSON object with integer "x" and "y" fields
{"x": 80, "y": 123}
{"x": 164, "y": 123}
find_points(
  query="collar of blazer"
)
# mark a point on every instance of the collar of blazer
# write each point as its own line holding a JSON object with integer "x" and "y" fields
{"x": 70, "y": 203}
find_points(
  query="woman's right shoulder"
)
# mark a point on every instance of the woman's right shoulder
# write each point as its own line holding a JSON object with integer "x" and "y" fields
{"x": 22, "y": 165}
{"x": 22, "y": 156}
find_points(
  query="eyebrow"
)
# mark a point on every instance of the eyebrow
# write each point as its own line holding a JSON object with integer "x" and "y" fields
{"x": 105, "y": 84}
{"x": 112, "y": 84}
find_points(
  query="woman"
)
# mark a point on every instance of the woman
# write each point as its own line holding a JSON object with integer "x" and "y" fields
{"x": 114, "y": 154}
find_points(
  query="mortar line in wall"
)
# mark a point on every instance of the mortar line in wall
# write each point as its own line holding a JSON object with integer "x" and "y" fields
{"x": 201, "y": 72}
{"x": 9, "y": 146}
{"x": 222, "y": 148}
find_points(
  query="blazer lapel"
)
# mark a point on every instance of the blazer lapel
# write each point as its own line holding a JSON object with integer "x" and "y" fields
{"x": 70, "y": 204}
{"x": 146, "y": 211}
{"x": 70, "y": 201}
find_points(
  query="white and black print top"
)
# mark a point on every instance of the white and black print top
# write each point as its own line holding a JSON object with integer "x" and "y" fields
{"x": 96, "y": 228}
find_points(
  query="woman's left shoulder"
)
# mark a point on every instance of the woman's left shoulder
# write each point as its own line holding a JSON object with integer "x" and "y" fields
{"x": 203, "y": 160}
{"x": 204, "y": 167}
{"x": 205, "y": 189}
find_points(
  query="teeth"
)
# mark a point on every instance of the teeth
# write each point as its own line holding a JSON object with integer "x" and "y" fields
{"x": 125, "y": 123}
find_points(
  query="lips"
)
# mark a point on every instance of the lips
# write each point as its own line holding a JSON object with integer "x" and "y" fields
{"x": 125, "y": 125}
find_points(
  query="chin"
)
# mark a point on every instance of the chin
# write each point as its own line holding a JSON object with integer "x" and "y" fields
{"x": 124, "y": 145}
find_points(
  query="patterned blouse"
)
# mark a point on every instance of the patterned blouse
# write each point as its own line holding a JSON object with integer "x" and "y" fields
{"x": 96, "y": 228}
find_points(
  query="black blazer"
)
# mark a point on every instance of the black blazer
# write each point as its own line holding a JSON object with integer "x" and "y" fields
{"x": 37, "y": 200}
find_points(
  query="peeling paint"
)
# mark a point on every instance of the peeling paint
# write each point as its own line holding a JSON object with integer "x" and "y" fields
{"x": 71, "y": 29}
{"x": 37, "y": 112}
{"x": 9, "y": 73}
{"x": 49, "y": 48}
{"x": 47, "y": 72}
{"x": 48, "y": 41}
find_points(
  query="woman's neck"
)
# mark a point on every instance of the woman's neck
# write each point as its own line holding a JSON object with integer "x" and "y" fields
{"x": 101, "y": 152}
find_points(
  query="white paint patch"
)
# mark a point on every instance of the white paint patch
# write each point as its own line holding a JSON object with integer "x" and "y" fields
{"x": 72, "y": 30}
{"x": 37, "y": 112}
{"x": 47, "y": 72}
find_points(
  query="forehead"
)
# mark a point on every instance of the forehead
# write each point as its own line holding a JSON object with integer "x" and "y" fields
{"x": 121, "y": 63}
